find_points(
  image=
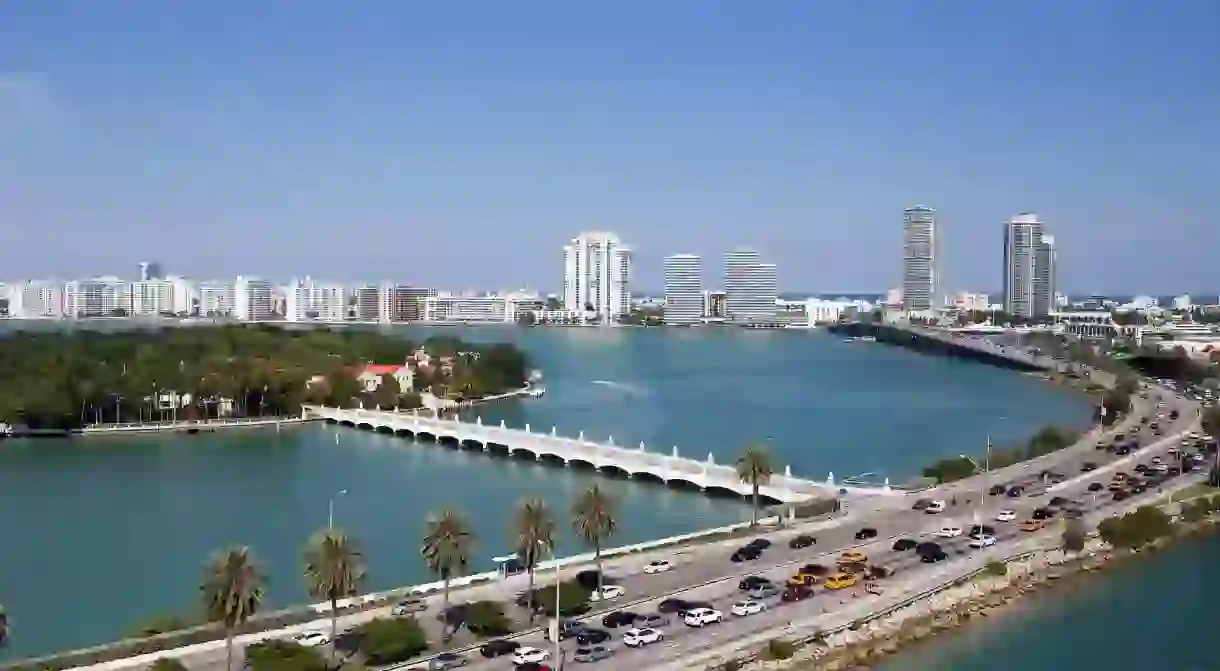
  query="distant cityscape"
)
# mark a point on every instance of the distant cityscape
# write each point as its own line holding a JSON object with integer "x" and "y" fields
{"x": 597, "y": 290}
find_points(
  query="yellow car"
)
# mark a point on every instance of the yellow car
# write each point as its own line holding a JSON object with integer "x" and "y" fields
{"x": 802, "y": 580}
{"x": 853, "y": 557}
{"x": 1031, "y": 525}
{"x": 841, "y": 581}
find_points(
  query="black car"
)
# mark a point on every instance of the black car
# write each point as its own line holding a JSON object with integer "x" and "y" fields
{"x": 622, "y": 618}
{"x": 589, "y": 579}
{"x": 904, "y": 544}
{"x": 759, "y": 543}
{"x": 1043, "y": 513}
{"x": 1173, "y": 414}
{"x": 1088, "y": 466}
{"x": 921, "y": 504}
{"x": 866, "y": 533}
{"x": 927, "y": 547}
{"x": 1058, "y": 501}
{"x": 996, "y": 490}
{"x": 1121, "y": 494}
{"x": 982, "y": 530}
{"x": 498, "y": 648}
{"x": 815, "y": 569}
{"x": 671, "y": 606}
{"x": 933, "y": 557}
{"x": 594, "y": 636}
{"x": 751, "y": 581}
{"x": 694, "y": 605}
{"x": 1015, "y": 492}
{"x": 1096, "y": 487}
{"x": 567, "y": 629}
{"x": 745, "y": 553}
{"x": 802, "y": 541}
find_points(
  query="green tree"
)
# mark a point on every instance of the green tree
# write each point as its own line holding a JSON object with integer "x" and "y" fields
{"x": 487, "y": 618}
{"x": 1074, "y": 535}
{"x": 533, "y": 536}
{"x": 446, "y": 550}
{"x": 1211, "y": 421}
{"x": 593, "y": 520}
{"x": 334, "y": 569}
{"x": 384, "y": 641}
{"x": 280, "y": 655}
{"x": 232, "y": 591}
{"x": 754, "y": 467}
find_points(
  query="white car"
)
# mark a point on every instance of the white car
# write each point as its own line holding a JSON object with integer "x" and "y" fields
{"x": 949, "y": 532}
{"x": 311, "y": 639}
{"x": 606, "y": 593}
{"x": 984, "y": 541}
{"x": 525, "y": 655}
{"x": 699, "y": 617}
{"x": 1005, "y": 516}
{"x": 636, "y": 638}
{"x": 744, "y": 608}
{"x": 937, "y": 506}
{"x": 658, "y": 566}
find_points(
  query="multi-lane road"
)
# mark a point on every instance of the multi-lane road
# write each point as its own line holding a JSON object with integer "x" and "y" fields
{"x": 705, "y": 573}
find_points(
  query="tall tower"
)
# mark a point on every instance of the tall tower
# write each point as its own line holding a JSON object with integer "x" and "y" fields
{"x": 1022, "y": 284}
{"x": 1046, "y": 262}
{"x": 920, "y": 260}
{"x": 750, "y": 287}
{"x": 150, "y": 270}
{"x": 683, "y": 290}
{"x": 597, "y": 275}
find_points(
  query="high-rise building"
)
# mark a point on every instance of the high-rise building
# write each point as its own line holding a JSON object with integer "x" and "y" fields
{"x": 215, "y": 298}
{"x": 307, "y": 300}
{"x": 152, "y": 297}
{"x": 150, "y": 270}
{"x": 98, "y": 297}
{"x": 920, "y": 260}
{"x": 36, "y": 299}
{"x": 750, "y": 287}
{"x": 1022, "y": 284}
{"x": 1046, "y": 263}
{"x": 597, "y": 275}
{"x": 252, "y": 299}
{"x": 683, "y": 290}
{"x": 368, "y": 303}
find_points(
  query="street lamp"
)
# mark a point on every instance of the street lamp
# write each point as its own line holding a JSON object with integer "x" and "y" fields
{"x": 330, "y": 509}
{"x": 983, "y": 470}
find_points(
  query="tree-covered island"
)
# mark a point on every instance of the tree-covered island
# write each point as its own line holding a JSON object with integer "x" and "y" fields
{"x": 73, "y": 379}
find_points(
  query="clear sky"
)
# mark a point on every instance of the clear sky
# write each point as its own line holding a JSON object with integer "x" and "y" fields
{"x": 461, "y": 144}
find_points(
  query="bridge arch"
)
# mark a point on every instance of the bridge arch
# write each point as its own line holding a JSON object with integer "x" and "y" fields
{"x": 552, "y": 459}
{"x": 614, "y": 471}
{"x": 425, "y": 436}
{"x": 406, "y": 433}
{"x": 498, "y": 449}
{"x": 448, "y": 440}
{"x": 581, "y": 464}
{"x": 364, "y": 426}
{"x": 682, "y": 483}
{"x": 330, "y": 420}
{"x": 472, "y": 444}
{"x": 347, "y": 423}
{"x": 522, "y": 453}
{"x": 720, "y": 491}
{"x": 384, "y": 429}
{"x": 645, "y": 476}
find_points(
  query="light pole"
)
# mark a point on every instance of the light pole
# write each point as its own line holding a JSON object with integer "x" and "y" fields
{"x": 982, "y": 479}
{"x": 330, "y": 509}
{"x": 555, "y": 626}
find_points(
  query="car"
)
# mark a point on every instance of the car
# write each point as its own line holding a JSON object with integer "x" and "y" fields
{"x": 745, "y": 554}
{"x": 921, "y": 504}
{"x": 802, "y": 579}
{"x": 527, "y": 654}
{"x": 693, "y": 605}
{"x": 982, "y": 530}
{"x": 926, "y": 547}
{"x": 764, "y": 591}
{"x": 671, "y": 606}
{"x": 866, "y": 533}
{"x": 1073, "y": 513}
{"x": 1043, "y": 514}
{"x": 853, "y": 557}
{"x": 1031, "y": 525}
{"x": 409, "y": 607}
{"x": 498, "y": 648}
{"x": 1015, "y": 492}
{"x": 794, "y": 593}
{"x": 606, "y": 593}
{"x": 1096, "y": 486}
{"x": 759, "y": 543}
{"x": 949, "y": 532}
{"x": 588, "y": 654}
{"x": 1141, "y": 468}
{"x": 658, "y": 566}
{"x": 982, "y": 541}
{"x": 591, "y": 636}
{"x": 1058, "y": 502}
{"x": 533, "y": 666}
{"x": 567, "y": 629}
{"x": 651, "y": 621}
{"x": 591, "y": 578}
{"x": 815, "y": 569}
{"x": 933, "y": 557}
{"x": 841, "y": 581}
{"x": 1121, "y": 495}
{"x": 903, "y": 544}
{"x": 311, "y": 639}
{"x": 751, "y": 581}
{"x": 620, "y": 618}
{"x": 802, "y": 541}
{"x": 996, "y": 490}
{"x": 701, "y": 617}
{"x": 744, "y": 608}
{"x": 1005, "y": 516}
{"x": 638, "y": 638}
{"x": 447, "y": 660}
{"x": 934, "y": 507}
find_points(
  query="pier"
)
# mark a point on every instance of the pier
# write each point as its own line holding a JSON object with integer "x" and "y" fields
{"x": 668, "y": 467}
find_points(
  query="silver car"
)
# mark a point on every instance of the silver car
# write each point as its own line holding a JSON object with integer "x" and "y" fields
{"x": 446, "y": 660}
{"x": 594, "y": 653}
{"x": 764, "y": 591}
{"x": 409, "y": 606}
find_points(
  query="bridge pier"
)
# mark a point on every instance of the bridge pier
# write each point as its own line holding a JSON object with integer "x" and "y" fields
{"x": 830, "y": 479}
{"x": 554, "y": 431}
{"x": 581, "y": 437}
{"x": 479, "y": 420}
{"x": 675, "y": 452}
{"x": 642, "y": 446}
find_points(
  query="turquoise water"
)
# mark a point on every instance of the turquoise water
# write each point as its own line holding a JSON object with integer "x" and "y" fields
{"x": 105, "y": 531}
{"x": 1156, "y": 612}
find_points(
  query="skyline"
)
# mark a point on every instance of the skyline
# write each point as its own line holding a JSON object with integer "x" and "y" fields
{"x": 244, "y": 138}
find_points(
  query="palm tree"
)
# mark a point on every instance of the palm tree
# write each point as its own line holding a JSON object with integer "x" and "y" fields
{"x": 446, "y": 551}
{"x": 754, "y": 468}
{"x": 232, "y": 591}
{"x": 593, "y": 521}
{"x": 333, "y": 570}
{"x": 534, "y": 532}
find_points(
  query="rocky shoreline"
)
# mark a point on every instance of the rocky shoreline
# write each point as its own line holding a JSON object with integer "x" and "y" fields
{"x": 983, "y": 596}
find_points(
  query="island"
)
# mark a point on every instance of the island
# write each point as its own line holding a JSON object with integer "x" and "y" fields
{"x": 72, "y": 379}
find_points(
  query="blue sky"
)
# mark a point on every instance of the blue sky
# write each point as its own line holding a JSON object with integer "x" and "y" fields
{"x": 461, "y": 144}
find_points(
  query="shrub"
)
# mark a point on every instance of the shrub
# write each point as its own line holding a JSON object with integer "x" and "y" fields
{"x": 385, "y": 641}
{"x": 779, "y": 649}
{"x": 1074, "y": 536}
{"x": 487, "y": 618}
{"x": 815, "y": 508}
{"x": 996, "y": 568}
{"x": 160, "y": 624}
{"x": 1136, "y": 529}
{"x": 168, "y": 664}
{"x": 276, "y": 655}
{"x": 573, "y": 599}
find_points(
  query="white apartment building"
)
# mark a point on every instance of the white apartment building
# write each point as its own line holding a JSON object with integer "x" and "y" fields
{"x": 971, "y": 302}
{"x": 920, "y": 260}
{"x": 36, "y": 299}
{"x": 252, "y": 299}
{"x": 97, "y": 297}
{"x": 1025, "y": 290}
{"x": 506, "y": 308}
{"x": 307, "y": 300}
{"x": 683, "y": 290}
{"x": 215, "y": 299}
{"x": 597, "y": 275}
{"x": 150, "y": 298}
{"x": 750, "y": 287}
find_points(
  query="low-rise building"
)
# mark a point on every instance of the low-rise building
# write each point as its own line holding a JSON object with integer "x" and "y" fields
{"x": 506, "y": 308}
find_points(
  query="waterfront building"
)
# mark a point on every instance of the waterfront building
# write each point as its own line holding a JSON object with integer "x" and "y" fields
{"x": 252, "y": 299}
{"x": 750, "y": 287}
{"x": 597, "y": 275}
{"x": 971, "y": 302}
{"x": 36, "y": 299}
{"x": 714, "y": 305}
{"x": 185, "y": 300}
{"x": 1046, "y": 264}
{"x": 150, "y": 298}
{"x": 1022, "y": 283}
{"x": 215, "y": 298}
{"x": 307, "y": 300}
{"x": 683, "y": 290}
{"x": 98, "y": 297}
{"x": 366, "y": 303}
{"x": 150, "y": 270}
{"x": 920, "y": 260}
{"x": 492, "y": 308}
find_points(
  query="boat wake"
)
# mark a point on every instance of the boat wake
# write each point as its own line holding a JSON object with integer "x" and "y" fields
{"x": 618, "y": 385}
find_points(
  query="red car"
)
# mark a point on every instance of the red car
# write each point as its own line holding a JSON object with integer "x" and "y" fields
{"x": 797, "y": 593}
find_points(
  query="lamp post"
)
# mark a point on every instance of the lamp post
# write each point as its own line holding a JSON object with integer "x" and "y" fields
{"x": 983, "y": 470}
{"x": 330, "y": 509}
{"x": 555, "y": 626}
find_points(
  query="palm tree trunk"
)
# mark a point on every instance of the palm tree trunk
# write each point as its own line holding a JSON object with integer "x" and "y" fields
{"x": 445, "y": 611}
{"x": 229, "y": 649}
{"x": 334, "y": 617}
{"x": 597, "y": 557}
{"x": 530, "y": 599}
{"x": 754, "y": 506}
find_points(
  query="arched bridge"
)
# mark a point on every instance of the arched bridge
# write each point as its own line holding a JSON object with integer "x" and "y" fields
{"x": 639, "y": 463}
